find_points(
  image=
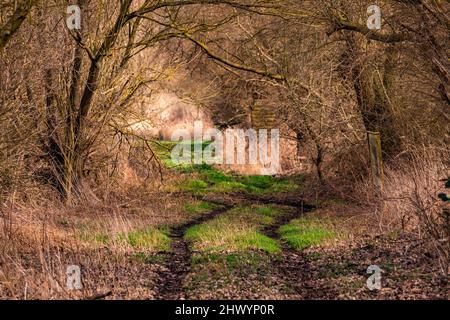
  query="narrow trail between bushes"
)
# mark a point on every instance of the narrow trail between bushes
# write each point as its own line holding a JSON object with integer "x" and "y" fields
{"x": 178, "y": 261}
{"x": 283, "y": 200}
{"x": 291, "y": 266}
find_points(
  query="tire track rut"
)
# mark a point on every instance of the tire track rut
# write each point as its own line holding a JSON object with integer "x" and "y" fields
{"x": 178, "y": 261}
{"x": 293, "y": 267}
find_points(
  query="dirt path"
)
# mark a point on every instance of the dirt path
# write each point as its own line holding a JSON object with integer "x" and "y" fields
{"x": 293, "y": 268}
{"x": 177, "y": 266}
{"x": 282, "y": 199}
{"x": 178, "y": 262}
{"x": 271, "y": 230}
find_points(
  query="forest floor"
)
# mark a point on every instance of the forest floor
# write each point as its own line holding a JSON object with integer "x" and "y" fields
{"x": 215, "y": 235}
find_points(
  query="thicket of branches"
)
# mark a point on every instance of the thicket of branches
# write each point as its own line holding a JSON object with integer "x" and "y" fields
{"x": 67, "y": 97}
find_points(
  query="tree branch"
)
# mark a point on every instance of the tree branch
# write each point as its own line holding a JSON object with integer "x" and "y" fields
{"x": 229, "y": 63}
{"x": 23, "y": 8}
{"x": 343, "y": 24}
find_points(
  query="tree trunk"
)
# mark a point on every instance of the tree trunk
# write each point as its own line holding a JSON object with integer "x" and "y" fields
{"x": 299, "y": 136}
{"x": 60, "y": 155}
{"x": 372, "y": 85}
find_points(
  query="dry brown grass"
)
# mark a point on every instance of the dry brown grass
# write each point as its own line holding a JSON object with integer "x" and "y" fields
{"x": 411, "y": 201}
{"x": 40, "y": 238}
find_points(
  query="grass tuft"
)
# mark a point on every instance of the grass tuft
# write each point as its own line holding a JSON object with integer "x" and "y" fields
{"x": 236, "y": 231}
{"x": 151, "y": 238}
{"x": 269, "y": 211}
{"x": 303, "y": 233}
{"x": 199, "y": 207}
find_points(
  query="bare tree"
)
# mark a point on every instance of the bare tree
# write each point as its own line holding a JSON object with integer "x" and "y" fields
{"x": 101, "y": 58}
